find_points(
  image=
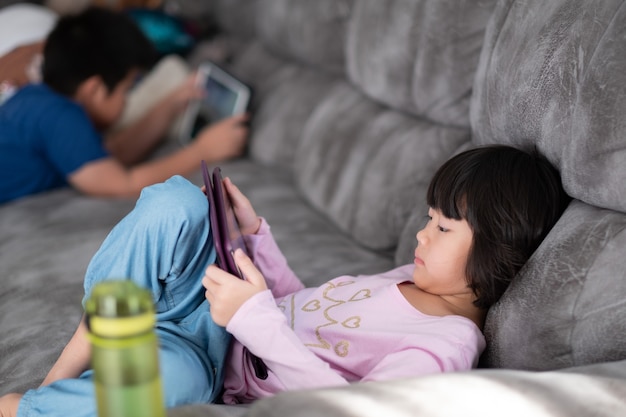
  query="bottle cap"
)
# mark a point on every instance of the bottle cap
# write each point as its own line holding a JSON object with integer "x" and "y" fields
{"x": 119, "y": 308}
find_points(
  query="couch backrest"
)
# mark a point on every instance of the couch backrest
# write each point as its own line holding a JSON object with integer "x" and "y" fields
{"x": 362, "y": 104}
{"x": 363, "y": 138}
{"x": 311, "y": 32}
{"x": 553, "y": 75}
{"x": 418, "y": 57}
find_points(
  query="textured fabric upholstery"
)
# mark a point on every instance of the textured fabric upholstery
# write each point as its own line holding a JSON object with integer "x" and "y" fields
{"x": 549, "y": 76}
{"x": 338, "y": 142}
{"x": 418, "y": 56}
{"x": 355, "y": 104}
{"x": 552, "y": 75}
{"x": 568, "y": 306}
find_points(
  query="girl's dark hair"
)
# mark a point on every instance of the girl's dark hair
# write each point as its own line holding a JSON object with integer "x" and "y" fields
{"x": 510, "y": 198}
{"x": 97, "y": 41}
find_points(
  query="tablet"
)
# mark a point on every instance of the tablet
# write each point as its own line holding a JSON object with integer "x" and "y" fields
{"x": 227, "y": 236}
{"x": 225, "y": 96}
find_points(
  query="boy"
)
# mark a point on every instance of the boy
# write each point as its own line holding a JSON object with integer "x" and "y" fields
{"x": 50, "y": 132}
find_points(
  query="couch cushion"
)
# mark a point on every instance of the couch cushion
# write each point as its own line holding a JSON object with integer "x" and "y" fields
{"x": 493, "y": 393}
{"x": 46, "y": 243}
{"x": 368, "y": 167}
{"x": 418, "y": 56}
{"x": 362, "y": 159}
{"x": 362, "y": 164}
{"x": 552, "y": 74}
{"x": 311, "y": 32}
{"x": 567, "y": 307}
{"x": 237, "y": 17}
{"x": 284, "y": 97}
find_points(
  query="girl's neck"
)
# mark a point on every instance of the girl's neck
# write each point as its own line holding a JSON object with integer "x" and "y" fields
{"x": 438, "y": 305}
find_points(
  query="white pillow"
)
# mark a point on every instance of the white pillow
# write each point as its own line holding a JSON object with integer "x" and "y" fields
{"x": 21, "y": 24}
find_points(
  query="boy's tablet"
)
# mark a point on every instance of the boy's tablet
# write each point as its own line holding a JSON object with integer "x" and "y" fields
{"x": 224, "y": 226}
{"x": 225, "y": 96}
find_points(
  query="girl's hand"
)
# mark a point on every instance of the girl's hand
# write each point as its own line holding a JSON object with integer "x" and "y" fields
{"x": 226, "y": 293}
{"x": 247, "y": 218}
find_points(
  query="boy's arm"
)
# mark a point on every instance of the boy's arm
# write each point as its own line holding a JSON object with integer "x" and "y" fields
{"x": 107, "y": 177}
{"x": 133, "y": 143}
{"x": 14, "y": 64}
{"x": 74, "y": 359}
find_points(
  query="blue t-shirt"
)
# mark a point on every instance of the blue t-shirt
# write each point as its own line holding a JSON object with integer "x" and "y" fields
{"x": 44, "y": 137}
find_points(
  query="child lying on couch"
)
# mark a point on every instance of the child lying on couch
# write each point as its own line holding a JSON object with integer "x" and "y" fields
{"x": 51, "y": 134}
{"x": 489, "y": 209}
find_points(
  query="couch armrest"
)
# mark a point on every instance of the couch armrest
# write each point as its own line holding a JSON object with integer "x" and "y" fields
{"x": 485, "y": 393}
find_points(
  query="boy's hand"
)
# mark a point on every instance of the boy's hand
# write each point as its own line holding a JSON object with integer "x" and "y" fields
{"x": 223, "y": 140}
{"x": 226, "y": 293}
{"x": 247, "y": 218}
{"x": 187, "y": 91}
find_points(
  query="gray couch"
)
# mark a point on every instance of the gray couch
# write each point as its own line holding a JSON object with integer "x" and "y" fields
{"x": 356, "y": 103}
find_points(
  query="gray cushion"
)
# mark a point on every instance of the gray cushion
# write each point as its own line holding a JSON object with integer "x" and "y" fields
{"x": 554, "y": 75}
{"x": 363, "y": 165}
{"x": 368, "y": 167}
{"x": 418, "y": 56}
{"x": 312, "y": 32}
{"x": 237, "y": 17}
{"x": 46, "y": 243}
{"x": 568, "y": 305}
{"x": 493, "y": 393}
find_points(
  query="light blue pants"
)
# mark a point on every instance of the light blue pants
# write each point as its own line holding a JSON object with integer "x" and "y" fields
{"x": 164, "y": 245}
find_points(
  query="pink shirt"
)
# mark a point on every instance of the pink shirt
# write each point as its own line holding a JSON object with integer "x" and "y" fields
{"x": 349, "y": 329}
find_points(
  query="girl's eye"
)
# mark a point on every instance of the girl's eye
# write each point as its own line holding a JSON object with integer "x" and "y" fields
{"x": 442, "y": 229}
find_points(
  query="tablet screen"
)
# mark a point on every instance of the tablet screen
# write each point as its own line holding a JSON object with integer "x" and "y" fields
{"x": 225, "y": 96}
{"x": 220, "y": 101}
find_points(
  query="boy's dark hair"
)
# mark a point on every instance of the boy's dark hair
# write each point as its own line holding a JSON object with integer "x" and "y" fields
{"x": 510, "y": 198}
{"x": 96, "y": 41}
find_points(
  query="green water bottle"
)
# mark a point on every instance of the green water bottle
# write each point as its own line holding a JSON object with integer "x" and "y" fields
{"x": 120, "y": 318}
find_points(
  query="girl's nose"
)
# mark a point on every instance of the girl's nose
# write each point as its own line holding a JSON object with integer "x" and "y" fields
{"x": 421, "y": 237}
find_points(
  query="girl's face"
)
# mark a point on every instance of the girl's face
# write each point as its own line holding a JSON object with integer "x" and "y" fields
{"x": 443, "y": 246}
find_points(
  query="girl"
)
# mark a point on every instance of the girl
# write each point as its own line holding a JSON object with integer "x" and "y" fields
{"x": 489, "y": 209}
